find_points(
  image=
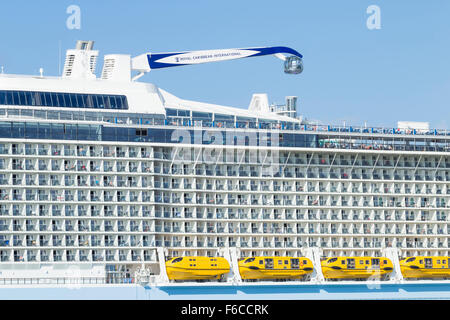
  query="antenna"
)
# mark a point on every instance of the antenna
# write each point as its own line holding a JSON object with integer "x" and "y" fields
{"x": 41, "y": 71}
{"x": 59, "y": 57}
{"x": 3, "y": 70}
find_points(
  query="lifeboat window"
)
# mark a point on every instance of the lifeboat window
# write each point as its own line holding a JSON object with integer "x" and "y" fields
{"x": 331, "y": 260}
{"x": 428, "y": 263}
{"x": 295, "y": 263}
{"x": 261, "y": 262}
{"x": 286, "y": 262}
{"x": 305, "y": 262}
{"x": 268, "y": 263}
{"x": 280, "y": 261}
{"x": 385, "y": 261}
{"x": 375, "y": 262}
{"x": 361, "y": 262}
{"x": 343, "y": 262}
{"x": 250, "y": 260}
{"x": 177, "y": 260}
{"x": 351, "y": 263}
{"x": 439, "y": 262}
{"x": 411, "y": 260}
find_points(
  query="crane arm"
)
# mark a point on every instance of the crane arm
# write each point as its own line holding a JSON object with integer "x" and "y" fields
{"x": 148, "y": 61}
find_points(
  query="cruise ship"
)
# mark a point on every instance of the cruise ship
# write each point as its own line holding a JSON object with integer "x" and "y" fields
{"x": 104, "y": 179}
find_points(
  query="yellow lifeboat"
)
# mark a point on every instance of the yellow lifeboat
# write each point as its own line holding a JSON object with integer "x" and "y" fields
{"x": 197, "y": 268}
{"x": 271, "y": 268}
{"x": 356, "y": 267}
{"x": 425, "y": 267}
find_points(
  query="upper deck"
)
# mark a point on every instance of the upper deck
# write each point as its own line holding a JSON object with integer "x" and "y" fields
{"x": 56, "y": 123}
{"x": 57, "y": 108}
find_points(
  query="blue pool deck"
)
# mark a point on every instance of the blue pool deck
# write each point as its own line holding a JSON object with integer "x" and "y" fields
{"x": 431, "y": 290}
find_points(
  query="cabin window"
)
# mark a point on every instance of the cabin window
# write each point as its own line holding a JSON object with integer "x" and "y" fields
{"x": 295, "y": 263}
{"x": 141, "y": 132}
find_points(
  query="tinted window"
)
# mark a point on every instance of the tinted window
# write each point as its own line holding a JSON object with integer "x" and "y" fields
{"x": 58, "y": 99}
{"x": 44, "y": 131}
{"x": 2, "y": 97}
{"x": 57, "y": 130}
{"x": 31, "y": 130}
{"x": 9, "y": 98}
{"x": 171, "y": 112}
{"x": 16, "y": 98}
{"x": 112, "y": 102}
{"x": 67, "y": 100}
{"x": 18, "y": 129}
{"x": 48, "y": 99}
{"x": 5, "y": 129}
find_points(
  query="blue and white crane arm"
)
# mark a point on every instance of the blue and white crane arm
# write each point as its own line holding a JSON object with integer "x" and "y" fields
{"x": 149, "y": 61}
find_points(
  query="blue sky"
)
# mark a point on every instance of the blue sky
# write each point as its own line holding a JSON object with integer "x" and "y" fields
{"x": 400, "y": 72}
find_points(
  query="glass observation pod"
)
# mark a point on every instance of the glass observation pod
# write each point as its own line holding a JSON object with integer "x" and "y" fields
{"x": 293, "y": 65}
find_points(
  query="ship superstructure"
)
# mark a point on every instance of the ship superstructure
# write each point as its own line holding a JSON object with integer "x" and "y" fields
{"x": 98, "y": 174}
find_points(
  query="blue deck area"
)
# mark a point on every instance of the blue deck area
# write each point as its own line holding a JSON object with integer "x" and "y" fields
{"x": 438, "y": 290}
{"x": 335, "y": 291}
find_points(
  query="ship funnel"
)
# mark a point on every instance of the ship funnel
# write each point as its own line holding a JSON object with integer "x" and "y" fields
{"x": 81, "y": 61}
{"x": 117, "y": 67}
